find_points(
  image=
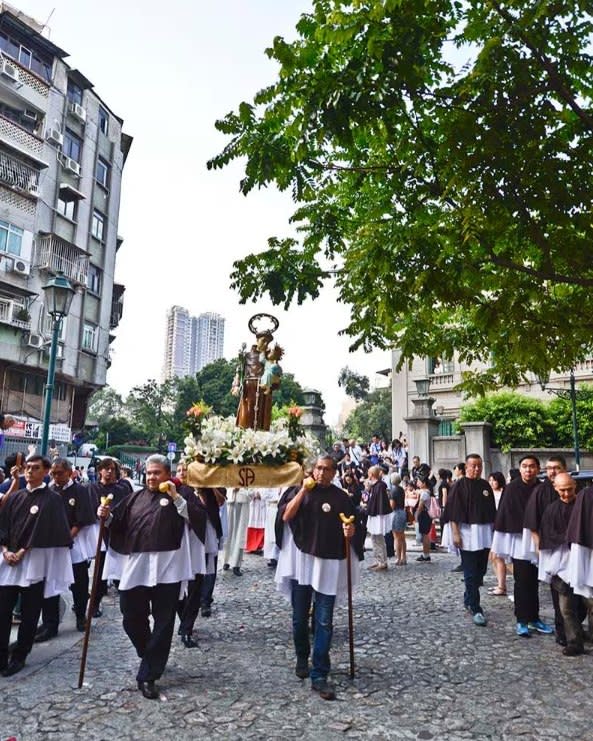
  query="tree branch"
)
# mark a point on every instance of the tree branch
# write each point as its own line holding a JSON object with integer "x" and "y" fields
{"x": 556, "y": 80}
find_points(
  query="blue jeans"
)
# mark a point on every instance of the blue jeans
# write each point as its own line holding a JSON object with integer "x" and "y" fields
{"x": 475, "y": 564}
{"x": 323, "y": 627}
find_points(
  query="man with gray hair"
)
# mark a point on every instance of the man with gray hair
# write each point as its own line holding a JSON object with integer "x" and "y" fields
{"x": 149, "y": 553}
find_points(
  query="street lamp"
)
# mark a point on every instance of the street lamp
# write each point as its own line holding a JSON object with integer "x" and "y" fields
{"x": 569, "y": 393}
{"x": 58, "y": 299}
{"x": 422, "y": 386}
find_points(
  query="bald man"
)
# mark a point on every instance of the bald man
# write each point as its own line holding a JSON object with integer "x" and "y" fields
{"x": 554, "y": 555}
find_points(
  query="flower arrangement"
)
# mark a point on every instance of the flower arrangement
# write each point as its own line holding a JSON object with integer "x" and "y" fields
{"x": 294, "y": 415}
{"x": 195, "y": 416}
{"x": 221, "y": 442}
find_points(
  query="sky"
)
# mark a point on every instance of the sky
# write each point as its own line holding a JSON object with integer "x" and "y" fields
{"x": 170, "y": 70}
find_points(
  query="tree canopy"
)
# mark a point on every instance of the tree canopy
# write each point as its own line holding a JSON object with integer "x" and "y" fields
{"x": 371, "y": 417}
{"x": 354, "y": 384}
{"x": 438, "y": 154}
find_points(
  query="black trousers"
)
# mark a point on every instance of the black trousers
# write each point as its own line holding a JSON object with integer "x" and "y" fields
{"x": 152, "y": 646}
{"x": 50, "y": 613}
{"x": 31, "y": 601}
{"x": 189, "y": 606}
{"x": 579, "y": 606}
{"x": 208, "y": 584}
{"x": 525, "y": 590}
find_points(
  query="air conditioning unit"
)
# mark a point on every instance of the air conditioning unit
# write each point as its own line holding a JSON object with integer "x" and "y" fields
{"x": 69, "y": 164}
{"x": 35, "y": 340}
{"x": 21, "y": 267}
{"x": 55, "y": 136}
{"x": 78, "y": 111}
{"x": 9, "y": 70}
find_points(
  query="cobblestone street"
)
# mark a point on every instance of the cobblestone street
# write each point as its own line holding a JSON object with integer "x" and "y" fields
{"x": 424, "y": 671}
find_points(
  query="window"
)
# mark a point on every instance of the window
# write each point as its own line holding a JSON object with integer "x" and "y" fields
{"x": 103, "y": 121}
{"x": 67, "y": 208}
{"x": 93, "y": 281}
{"x": 72, "y": 146}
{"x": 439, "y": 366}
{"x": 74, "y": 93}
{"x": 89, "y": 337}
{"x": 97, "y": 225}
{"x": 102, "y": 172}
{"x": 26, "y": 57}
{"x": 11, "y": 238}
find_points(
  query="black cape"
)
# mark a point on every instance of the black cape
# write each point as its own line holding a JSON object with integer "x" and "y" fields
{"x": 212, "y": 509}
{"x": 45, "y": 527}
{"x": 146, "y": 521}
{"x": 580, "y": 527}
{"x": 543, "y": 496}
{"x": 78, "y": 505}
{"x": 378, "y": 502}
{"x": 287, "y": 496}
{"x": 119, "y": 491}
{"x": 471, "y": 501}
{"x": 317, "y": 527}
{"x": 511, "y": 510}
{"x": 196, "y": 511}
{"x": 554, "y": 524}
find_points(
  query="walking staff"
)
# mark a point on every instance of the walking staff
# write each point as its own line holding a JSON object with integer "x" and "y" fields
{"x": 349, "y": 521}
{"x": 105, "y": 501}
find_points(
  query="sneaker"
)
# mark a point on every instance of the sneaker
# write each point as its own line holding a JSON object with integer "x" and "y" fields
{"x": 479, "y": 619}
{"x": 540, "y": 627}
{"x": 523, "y": 630}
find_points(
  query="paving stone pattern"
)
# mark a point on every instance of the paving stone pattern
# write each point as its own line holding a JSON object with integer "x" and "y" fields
{"x": 423, "y": 671}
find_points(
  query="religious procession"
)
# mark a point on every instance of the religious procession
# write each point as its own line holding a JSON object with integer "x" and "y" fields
{"x": 251, "y": 485}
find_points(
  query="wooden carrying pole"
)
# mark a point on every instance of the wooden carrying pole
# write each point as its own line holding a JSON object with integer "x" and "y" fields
{"x": 349, "y": 521}
{"x": 93, "y": 598}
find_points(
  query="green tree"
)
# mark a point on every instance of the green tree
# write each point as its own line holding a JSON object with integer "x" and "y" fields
{"x": 105, "y": 404}
{"x": 290, "y": 392}
{"x": 151, "y": 407}
{"x": 517, "y": 421}
{"x": 443, "y": 149}
{"x": 560, "y": 411}
{"x": 354, "y": 384}
{"x": 371, "y": 417}
{"x": 214, "y": 382}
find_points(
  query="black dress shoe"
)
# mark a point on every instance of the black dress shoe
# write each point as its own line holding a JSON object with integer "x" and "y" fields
{"x": 237, "y": 571}
{"x": 188, "y": 641}
{"x": 14, "y": 666}
{"x": 206, "y": 611}
{"x": 226, "y": 567}
{"x": 572, "y": 650}
{"x": 272, "y": 563}
{"x": 98, "y": 612}
{"x": 81, "y": 625}
{"x": 302, "y": 668}
{"x": 44, "y": 634}
{"x": 325, "y": 689}
{"x": 149, "y": 689}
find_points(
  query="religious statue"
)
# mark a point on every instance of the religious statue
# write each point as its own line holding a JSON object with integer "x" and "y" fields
{"x": 257, "y": 376}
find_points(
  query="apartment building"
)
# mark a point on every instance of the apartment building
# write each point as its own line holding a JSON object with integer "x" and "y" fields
{"x": 191, "y": 342}
{"x": 62, "y": 152}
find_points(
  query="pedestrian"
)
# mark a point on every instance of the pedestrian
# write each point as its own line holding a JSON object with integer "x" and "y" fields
{"x": 238, "y": 522}
{"x": 35, "y": 541}
{"x": 379, "y": 517}
{"x": 423, "y": 519}
{"x": 271, "y": 498}
{"x": 150, "y": 556}
{"x": 472, "y": 511}
{"x": 81, "y": 515}
{"x": 512, "y": 540}
{"x": 214, "y": 501}
{"x": 256, "y": 524}
{"x": 399, "y": 519}
{"x": 579, "y": 535}
{"x": 498, "y": 483}
{"x": 312, "y": 566}
{"x": 553, "y": 562}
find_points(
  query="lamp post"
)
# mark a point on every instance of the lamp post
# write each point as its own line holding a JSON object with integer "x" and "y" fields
{"x": 569, "y": 393}
{"x": 58, "y": 299}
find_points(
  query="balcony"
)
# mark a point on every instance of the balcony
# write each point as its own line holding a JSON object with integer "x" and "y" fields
{"x": 55, "y": 254}
{"x": 22, "y": 141}
{"x": 117, "y": 305}
{"x": 17, "y": 175}
{"x": 441, "y": 380}
{"x": 14, "y": 313}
